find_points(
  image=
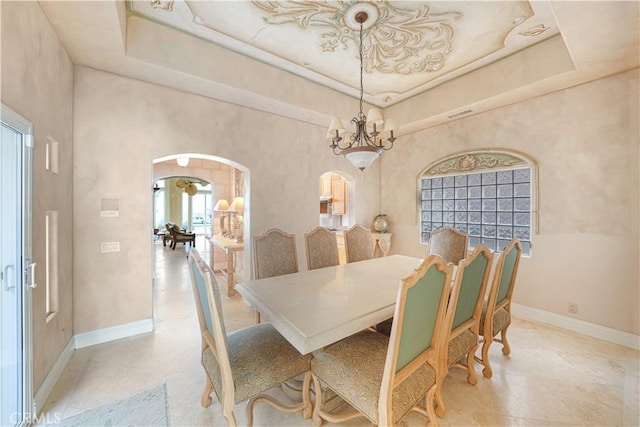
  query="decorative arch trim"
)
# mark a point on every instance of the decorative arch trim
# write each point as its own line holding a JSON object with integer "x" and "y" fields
{"x": 470, "y": 161}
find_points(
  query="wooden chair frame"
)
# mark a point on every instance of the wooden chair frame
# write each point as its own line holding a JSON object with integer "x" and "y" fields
{"x": 327, "y": 240}
{"x": 503, "y": 283}
{"x": 350, "y": 237}
{"x": 392, "y": 376}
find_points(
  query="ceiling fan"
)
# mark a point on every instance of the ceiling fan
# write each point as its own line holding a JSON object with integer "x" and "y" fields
{"x": 189, "y": 186}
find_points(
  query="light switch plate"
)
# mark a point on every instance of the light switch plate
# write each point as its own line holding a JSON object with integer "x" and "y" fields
{"x": 107, "y": 247}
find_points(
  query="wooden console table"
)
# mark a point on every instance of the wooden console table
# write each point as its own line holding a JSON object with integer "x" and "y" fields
{"x": 230, "y": 247}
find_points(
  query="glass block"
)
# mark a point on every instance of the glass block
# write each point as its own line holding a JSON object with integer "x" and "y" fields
{"x": 475, "y": 192}
{"x": 489, "y": 230}
{"x": 505, "y": 205}
{"x": 522, "y": 190}
{"x": 489, "y": 191}
{"x": 436, "y": 183}
{"x": 522, "y": 175}
{"x": 488, "y": 178}
{"x": 448, "y": 205}
{"x": 475, "y": 204}
{"x": 447, "y": 224}
{"x": 523, "y": 204}
{"x": 448, "y": 181}
{"x": 461, "y": 205}
{"x": 448, "y": 193}
{"x": 505, "y": 232}
{"x": 436, "y": 194}
{"x": 436, "y": 216}
{"x": 426, "y": 216}
{"x": 526, "y": 248}
{"x": 448, "y": 216}
{"x": 504, "y": 177}
{"x": 461, "y": 217}
{"x": 505, "y": 190}
{"x": 426, "y": 194}
{"x": 461, "y": 193}
{"x": 462, "y": 227}
{"x": 491, "y": 243}
{"x": 426, "y": 184}
{"x": 475, "y": 230}
{"x": 436, "y": 225}
{"x": 426, "y": 205}
{"x": 502, "y": 244}
{"x": 425, "y": 237}
{"x": 522, "y": 233}
{"x": 522, "y": 218}
{"x": 436, "y": 205}
{"x": 505, "y": 218}
{"x": 426, "y": 226}
{"x": 474, "y": 179}
{"x": 489, "y": 218}
{"x": 474, "y": 217}
{"x": 489, "y": 205}
{"x": 474, "y": 241}
{"x": 461, "y": 181}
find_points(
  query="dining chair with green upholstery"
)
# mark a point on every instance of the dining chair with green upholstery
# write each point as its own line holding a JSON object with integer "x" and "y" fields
{"x": 244, "y": 364}
{"x": 496, "y": 313}
{"x": 358, "y": 245}
{"x": 384, "y": 378}
{"x": 322, "y": 248}
{"x": 450, "y": 243}
{"x": 463, "y": 314}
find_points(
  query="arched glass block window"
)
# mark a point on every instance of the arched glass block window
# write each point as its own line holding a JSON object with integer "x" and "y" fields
{"x": 490, "y": 195}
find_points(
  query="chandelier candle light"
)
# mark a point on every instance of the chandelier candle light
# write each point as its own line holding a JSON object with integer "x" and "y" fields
{"x": 362, "y": 148}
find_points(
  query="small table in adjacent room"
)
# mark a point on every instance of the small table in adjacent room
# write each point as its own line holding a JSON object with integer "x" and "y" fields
{"x": 230, "y": 247}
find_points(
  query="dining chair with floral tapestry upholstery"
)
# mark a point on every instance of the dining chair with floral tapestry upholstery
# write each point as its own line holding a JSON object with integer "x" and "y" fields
{"x": 463, "y": 315}
{"x": 496, "y": 313}
{"x": 358, "y": 245}
{"x": 244, "y": 364}
{"x": 322, "y": 248}
{"x": 450, "y": 243}
{"x": 384, "y": 378}
{"x": 274, "y": 254}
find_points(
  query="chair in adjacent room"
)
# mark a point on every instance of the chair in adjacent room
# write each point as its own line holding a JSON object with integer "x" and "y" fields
{"x": 180, "y": 236}
{"x": 449, "y": 243}
{"x": 322, "y": 248}
{"x": 384, "y": 378}
{"x": 358, "y": 245}
{"x": 463, "y": 315}
{"x": 246, "y": 363}
{"x": 496, "y": 314}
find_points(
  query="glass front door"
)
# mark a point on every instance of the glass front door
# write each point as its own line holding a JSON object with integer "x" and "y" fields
{"x": 15, "y": 302}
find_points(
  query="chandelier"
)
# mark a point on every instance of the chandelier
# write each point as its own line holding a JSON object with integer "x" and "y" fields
{"x": 362, "y": 147}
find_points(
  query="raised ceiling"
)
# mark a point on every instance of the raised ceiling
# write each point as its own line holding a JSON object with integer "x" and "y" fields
{"x": 426, "y": 62}
{"x": 408, "y": 47}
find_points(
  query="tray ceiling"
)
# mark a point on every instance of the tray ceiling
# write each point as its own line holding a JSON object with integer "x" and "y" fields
{"x": 409, "y": 47}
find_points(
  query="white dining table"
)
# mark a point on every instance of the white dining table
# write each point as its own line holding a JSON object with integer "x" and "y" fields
{"x": 315, "y": 308}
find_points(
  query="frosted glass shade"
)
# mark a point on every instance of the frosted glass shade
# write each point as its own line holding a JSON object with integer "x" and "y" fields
{"x": 362, "y": 157}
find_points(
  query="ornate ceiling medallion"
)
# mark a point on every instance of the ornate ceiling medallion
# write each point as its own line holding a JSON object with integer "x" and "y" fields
{"x": 534, "y": 31}
{"x": 397, "y": 40}
{"x": 162, "y": 4}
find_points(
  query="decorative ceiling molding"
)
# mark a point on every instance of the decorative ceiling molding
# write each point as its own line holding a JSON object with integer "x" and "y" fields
{"x": 397, "y": 40}
{"x": 534, "y": 31}
{"x": 166, "y": 5}
{"x": 468, "y": 162}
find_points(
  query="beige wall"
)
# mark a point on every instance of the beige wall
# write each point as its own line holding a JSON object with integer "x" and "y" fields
{"x": 585, "y": 141}
{"x": 121, "y": 125}
{"x": 37, "y": 82}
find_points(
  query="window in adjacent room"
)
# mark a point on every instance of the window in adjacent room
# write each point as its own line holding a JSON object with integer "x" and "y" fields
{"x": 488, "y": 195}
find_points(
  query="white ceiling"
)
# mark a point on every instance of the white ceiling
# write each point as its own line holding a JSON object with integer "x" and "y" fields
{"x": 300, "y": 59}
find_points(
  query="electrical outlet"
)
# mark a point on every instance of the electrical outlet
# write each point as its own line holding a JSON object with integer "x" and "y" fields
{"x": 573, "y": 308}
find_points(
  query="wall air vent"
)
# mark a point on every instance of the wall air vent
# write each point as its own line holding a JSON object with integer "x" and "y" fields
{"x": 461, "y": 113}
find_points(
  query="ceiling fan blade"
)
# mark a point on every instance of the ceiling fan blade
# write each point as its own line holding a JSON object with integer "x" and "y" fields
{"x": 181, "y": 183}
{"x": 191, "y": 189}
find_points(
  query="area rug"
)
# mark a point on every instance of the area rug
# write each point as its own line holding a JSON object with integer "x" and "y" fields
{"x": 148, "y": 408}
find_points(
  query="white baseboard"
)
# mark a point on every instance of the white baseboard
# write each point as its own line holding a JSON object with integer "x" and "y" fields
{"x": 87, "y": 339}
{"x": 576, "y": 325}
{"x": 45, "y": 389}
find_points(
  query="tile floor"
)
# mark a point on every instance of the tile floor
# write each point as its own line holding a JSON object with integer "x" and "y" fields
{"x": 552, "y": 377}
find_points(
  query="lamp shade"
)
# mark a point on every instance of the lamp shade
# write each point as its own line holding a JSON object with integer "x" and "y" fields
{"x": 390, "y": 125}
{"x": 362, "y": 157}
{"x": 183, "y": 161}
{"x": 336, "y": 125}
{"x": 237, "y": 205}
{"x": 221, "y": 205}
{"x": 374, "y": 117}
